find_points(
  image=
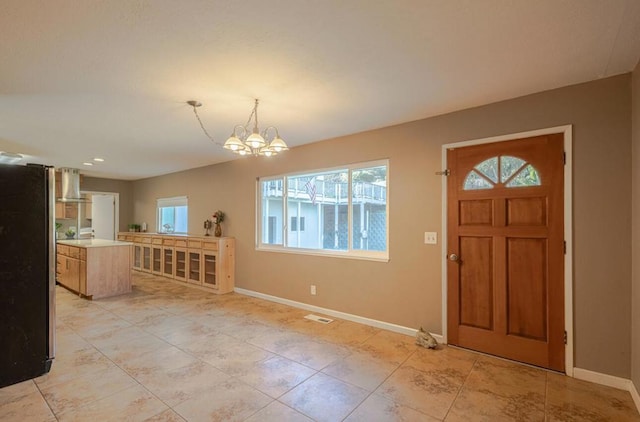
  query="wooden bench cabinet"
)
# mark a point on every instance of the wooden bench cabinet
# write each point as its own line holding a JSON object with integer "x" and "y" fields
{"x": 203, "y": 261}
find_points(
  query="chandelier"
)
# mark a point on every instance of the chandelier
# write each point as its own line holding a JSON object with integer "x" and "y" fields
{"x": 245, "y": 141}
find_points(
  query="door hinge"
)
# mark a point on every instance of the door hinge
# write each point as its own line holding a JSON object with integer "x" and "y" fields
{"x": 565, "y": 337}
{"x": 446, "y": 172}
{"x": 564, "y": 246}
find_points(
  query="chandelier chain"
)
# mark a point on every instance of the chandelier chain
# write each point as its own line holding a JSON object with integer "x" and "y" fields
{"x": 195, "y": 111}
{"x": 245, "y": 141}
{"x": 254, "y": 111}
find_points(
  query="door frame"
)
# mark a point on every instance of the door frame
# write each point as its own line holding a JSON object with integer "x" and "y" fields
{"x": 116, "y": 208}
{"x": 567, "y": 131}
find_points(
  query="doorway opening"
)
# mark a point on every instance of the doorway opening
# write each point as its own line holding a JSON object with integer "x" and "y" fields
{"x": 98, "y": 217}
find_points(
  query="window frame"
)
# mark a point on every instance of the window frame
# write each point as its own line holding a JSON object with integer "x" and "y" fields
{"x": 350, "y": 252}
{"x": 174, "y": 201}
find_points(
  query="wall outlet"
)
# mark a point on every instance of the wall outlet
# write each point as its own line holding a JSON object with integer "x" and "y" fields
{"x": 313, "y": 289}
{"x": 430, "y": 238}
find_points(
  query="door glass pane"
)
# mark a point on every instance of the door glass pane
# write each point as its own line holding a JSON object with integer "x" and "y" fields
{"x": 272, "y": 211}
{"x": 489, "y": 168}
{"x": 528, "y": 176}
{"x": 369, "y": 208}
{"x": 475, "y": 181}
{"x": 508, "y": 167}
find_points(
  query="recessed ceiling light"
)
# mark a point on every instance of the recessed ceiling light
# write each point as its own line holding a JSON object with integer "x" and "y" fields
{"x": 88, "y": 164}
{"x": 98, "y": 159}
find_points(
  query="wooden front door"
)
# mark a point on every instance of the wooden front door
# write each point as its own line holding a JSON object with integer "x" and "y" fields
{"x": 506, "y": 249}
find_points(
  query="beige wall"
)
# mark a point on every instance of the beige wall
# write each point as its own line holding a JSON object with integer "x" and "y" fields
{"x": 635, "y": 321}
{"x": 407, "y": 289}
{"x": 123, "y": 187}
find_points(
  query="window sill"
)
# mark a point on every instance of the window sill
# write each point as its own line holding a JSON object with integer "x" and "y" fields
{"x": 382, "y": 257}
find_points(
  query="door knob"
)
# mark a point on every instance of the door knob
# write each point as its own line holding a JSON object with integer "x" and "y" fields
{"x": 453, "y": 257}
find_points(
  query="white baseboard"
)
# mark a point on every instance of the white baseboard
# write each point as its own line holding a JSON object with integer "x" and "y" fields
{"x": 602, "y": 379}
{"x": 610, "y": 381}
{"x": 634, "y": 394}
{"x": 330, "y": 312}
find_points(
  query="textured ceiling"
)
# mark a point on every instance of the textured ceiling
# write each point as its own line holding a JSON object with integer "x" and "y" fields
{"x": 87, "y": 78}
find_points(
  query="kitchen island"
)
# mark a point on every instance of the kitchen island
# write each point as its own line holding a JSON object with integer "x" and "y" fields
{"x": 94, "y": 268}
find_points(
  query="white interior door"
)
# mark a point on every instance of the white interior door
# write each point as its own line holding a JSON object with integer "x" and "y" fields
{"x": 103, "y": 216}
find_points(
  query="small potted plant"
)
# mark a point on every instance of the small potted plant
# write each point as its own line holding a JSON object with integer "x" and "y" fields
{"x": 70, "y": 234}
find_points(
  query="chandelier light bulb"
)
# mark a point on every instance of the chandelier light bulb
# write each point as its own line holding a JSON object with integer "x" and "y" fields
{"x": 255, "y": 141}
{"x": 278, "y": 145}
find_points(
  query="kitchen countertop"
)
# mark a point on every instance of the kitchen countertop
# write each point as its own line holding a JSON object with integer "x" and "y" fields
{"x": 93, "y": 243}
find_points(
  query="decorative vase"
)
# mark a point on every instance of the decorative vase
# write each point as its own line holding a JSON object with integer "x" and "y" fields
{"x": 218, "y": 230}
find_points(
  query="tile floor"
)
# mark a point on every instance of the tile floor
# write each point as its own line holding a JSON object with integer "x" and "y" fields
{"x": 168, "y": 352}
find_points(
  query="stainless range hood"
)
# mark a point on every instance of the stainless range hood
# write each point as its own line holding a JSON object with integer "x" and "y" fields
{"x": 70, "y": 185}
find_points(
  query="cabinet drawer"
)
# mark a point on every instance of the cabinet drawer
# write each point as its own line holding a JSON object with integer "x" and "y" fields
{"x": 144, "y": 239}
{"x": 193, "y": 243}
{"x": 168, "y": 242}
{"x": 156, "y": 240}
{"x": 63, "y": 249}
{"x": 83, "y": 254}
{"x": 210, "y": 245}
{"x": 122, "y": 237}
{"x": 74, "y": 252}
{"x": 137, "y": 239}
{"x": 180, "y": 243}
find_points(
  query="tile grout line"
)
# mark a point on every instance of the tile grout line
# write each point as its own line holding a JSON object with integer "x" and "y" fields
{"x": 123, "y": 370}
{"x": 475, "y": 363}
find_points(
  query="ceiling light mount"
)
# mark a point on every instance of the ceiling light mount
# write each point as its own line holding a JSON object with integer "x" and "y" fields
{"x": 245, "y": 141}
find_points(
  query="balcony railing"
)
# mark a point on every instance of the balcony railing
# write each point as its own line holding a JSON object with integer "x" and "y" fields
{"x": 327, "y": 192}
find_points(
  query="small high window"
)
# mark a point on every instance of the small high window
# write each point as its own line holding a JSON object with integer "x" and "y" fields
{"x": 172, "y": 215}
{"x": 512, "y": 172}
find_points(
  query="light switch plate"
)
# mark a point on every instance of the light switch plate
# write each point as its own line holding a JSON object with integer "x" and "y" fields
{"x": 430, "y": 238}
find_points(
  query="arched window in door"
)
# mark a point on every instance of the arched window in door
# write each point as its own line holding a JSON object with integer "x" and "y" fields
{"x": 505, "y": 170}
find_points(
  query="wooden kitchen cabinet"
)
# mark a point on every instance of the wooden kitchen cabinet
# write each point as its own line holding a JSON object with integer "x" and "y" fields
{"x": 181, "y": 264}
{"x": 146, "y": 258}
{"x": 137, "y": 256}
{"x": 71, "y": 269}
{"x": 194, "y": 259}
{"x": 168, "y": 258}
{"x": 156, "y": 259}
{"x": 66, "y": 210}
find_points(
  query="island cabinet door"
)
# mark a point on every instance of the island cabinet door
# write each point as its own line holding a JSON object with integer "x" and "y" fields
{"x": 181, "y": 264}
{"x": 73, "y": 274}
{"x": 210, "y": 269}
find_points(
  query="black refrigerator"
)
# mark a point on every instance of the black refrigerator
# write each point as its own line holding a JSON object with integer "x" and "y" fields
{"x": 27, "y": 272}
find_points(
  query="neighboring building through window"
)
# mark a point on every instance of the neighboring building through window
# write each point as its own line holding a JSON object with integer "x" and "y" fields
{"x": 172, "y": 215}
{"x": 339, "y": 212}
